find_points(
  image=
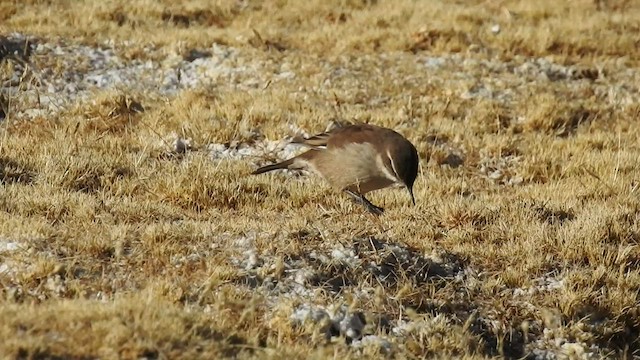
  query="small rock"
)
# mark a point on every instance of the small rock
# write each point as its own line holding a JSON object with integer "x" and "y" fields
{"x": 496, "y": 175}
{"x": 351, "y": 325}
{"x": 180, "y": 146}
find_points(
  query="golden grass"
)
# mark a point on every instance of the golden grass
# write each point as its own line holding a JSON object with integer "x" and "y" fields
{"x": 127, "y": 248}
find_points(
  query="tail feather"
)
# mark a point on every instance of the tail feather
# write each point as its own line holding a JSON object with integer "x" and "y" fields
{"x": 283, "y": 165}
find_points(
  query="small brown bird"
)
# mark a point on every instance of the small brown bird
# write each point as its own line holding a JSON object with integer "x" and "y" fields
{"x": 358, "y": 159}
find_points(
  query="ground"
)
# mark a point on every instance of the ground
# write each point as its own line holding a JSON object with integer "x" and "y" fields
{"x": 131, "y": 228}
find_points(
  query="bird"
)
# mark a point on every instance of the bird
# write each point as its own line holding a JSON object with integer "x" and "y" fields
{"x": 357, "y": 159}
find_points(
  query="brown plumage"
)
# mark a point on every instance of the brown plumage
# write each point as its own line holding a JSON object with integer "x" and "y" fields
{"x": 358, "y": 159}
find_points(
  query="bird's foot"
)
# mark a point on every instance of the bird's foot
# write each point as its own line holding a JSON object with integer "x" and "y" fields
{"x": 375, "y": 210}
{"x": 360, "y": 199}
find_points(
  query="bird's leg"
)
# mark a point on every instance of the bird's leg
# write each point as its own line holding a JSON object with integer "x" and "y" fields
{"x": 360, "y": 199}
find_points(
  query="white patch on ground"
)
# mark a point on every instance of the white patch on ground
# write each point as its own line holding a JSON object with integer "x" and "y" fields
{"x": 334, "y": 319}
{"x": 344, "y": 256}
{"x": 281, "y": 149}
{"x": 554, "y": 345}
{"x": 257, "y": 150}
{"x": 374, "y": 340}
{"x": 7, "y": 246}
{"x": 183, "y": 260}
{"x": 55, "y": 284}
{"x": 303, "y": 276}
{"x": 4, "y": 268}
{"x": 541, "y": 285}
{"x": 80, "y": 70}
{"x": 406, "y": 327}
{"x": 517, "y": 74}
{"x": 307, "y": 313}
{"x": 500, "y": 170}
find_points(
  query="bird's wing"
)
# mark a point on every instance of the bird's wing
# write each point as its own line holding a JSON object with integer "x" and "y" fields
{"x": 315, "y": 142}
{"x": 358, "y": 134}
{"x": 339, "y": 136}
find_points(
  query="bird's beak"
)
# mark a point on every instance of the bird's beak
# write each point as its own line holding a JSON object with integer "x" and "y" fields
{"x": 413, "y": 199}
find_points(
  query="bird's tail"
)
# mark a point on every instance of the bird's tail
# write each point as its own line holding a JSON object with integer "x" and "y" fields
{"x": 283, "y": 165}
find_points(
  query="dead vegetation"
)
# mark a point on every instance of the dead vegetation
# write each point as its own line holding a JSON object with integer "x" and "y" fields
{"x": 129, "y": 226}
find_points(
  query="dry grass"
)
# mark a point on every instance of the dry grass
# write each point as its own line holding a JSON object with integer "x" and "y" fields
{"x": 127, "y": 248}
